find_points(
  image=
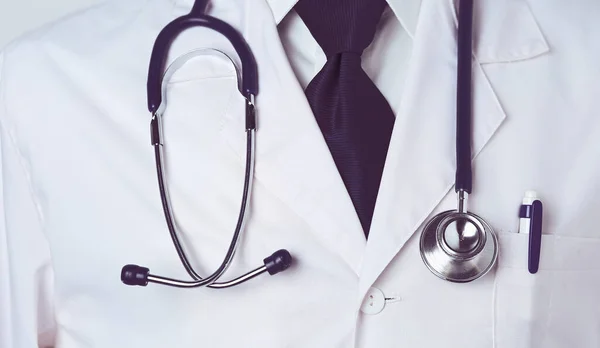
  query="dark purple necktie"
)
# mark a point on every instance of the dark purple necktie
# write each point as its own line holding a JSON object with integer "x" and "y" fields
{"x": 353, "y": 115}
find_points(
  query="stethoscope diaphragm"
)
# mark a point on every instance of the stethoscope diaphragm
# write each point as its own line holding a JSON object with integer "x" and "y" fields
{"x": 458, "y": 246}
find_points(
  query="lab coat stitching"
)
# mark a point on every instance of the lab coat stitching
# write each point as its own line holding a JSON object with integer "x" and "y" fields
{"x": 21, "y": 158}
{"x": 198, "y": 79}
{"x": 27, "y": 174}
{"x": 514, "y": 56}
{"x": 33, "y": 196}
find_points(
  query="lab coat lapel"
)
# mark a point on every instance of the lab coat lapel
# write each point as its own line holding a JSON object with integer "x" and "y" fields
{"x": 420, "y": 167}
{"x": 293, "y": 161}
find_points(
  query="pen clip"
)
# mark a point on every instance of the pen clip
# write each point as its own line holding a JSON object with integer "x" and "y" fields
{"x": 535, "y": 236}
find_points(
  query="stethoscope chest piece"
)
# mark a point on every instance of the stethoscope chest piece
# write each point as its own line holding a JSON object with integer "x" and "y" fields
{"x": 458, "y": 246}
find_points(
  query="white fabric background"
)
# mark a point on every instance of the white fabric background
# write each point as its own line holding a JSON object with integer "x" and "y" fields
{"x": 19, "y": 16}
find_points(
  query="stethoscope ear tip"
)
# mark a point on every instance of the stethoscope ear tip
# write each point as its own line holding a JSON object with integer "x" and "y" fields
{"x": 134, "y": 275}
{"x": 278, "y": 262}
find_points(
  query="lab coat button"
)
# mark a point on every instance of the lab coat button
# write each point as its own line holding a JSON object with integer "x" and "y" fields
{"x": 373, "y": 302}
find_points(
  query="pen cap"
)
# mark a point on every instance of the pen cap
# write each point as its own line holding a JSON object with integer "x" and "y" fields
{"x": 529, "y": 197}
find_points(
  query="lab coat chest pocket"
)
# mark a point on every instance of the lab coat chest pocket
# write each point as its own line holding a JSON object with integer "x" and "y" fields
{"x": 203, "y": 179}
{"x": 554, "y": 307}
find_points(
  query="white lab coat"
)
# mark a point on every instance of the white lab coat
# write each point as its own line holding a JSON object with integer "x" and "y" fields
{"x": 80, "y": 199}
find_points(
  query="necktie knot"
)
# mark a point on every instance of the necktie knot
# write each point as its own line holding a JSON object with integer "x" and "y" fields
{"x": 341, "y": 26}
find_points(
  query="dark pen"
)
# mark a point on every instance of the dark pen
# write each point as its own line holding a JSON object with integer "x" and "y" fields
{"x": 531, "y": 221}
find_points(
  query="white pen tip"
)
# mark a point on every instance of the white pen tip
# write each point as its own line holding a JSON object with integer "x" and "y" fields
{"x": 530, "y": 196}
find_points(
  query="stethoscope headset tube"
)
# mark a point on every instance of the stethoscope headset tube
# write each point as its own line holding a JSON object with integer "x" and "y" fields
{"x": 248, "y": 84}
{"x": 457, "y": 245}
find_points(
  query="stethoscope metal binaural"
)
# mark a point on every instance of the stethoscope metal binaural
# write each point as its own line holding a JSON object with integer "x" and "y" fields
{"x": 458, "y": 246}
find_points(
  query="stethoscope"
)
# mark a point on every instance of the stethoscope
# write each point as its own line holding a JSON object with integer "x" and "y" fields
{"x": 248, "y": 86}
{"x": 456, "y": 245}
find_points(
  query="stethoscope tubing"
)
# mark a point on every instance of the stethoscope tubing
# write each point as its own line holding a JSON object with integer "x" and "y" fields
{"x": 464, "y": 176}
{"x": 457, "y": 245}
{"x": 192, "y": 284}
{"x": 249, "y": 81}
{"x": 209, "y": 281}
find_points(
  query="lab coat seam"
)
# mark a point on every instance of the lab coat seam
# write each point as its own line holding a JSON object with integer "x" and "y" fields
{"x": 11, "y": 138}
{"x": 199, "y": 79}
{"x": 27, "y": 173}
{"x": 514, "y": 56}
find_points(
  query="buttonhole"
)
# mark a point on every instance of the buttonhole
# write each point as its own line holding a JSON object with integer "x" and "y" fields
{"x": 393, "y": 299}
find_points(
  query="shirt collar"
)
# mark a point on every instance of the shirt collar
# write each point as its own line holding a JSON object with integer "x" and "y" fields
{"x": 407, "y": 11}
